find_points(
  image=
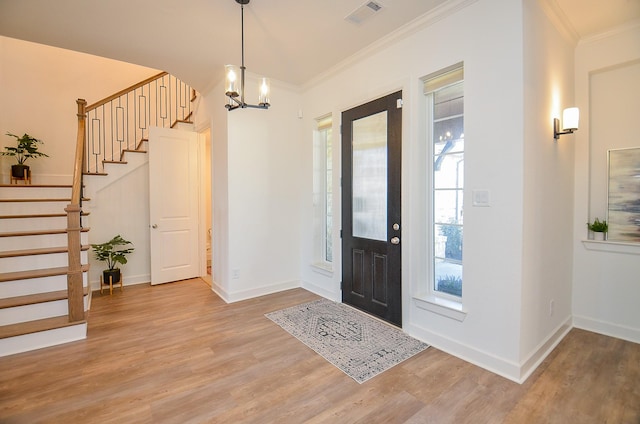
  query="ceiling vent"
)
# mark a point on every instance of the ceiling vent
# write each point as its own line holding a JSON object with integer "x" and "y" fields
{"x": 364, "y": 12}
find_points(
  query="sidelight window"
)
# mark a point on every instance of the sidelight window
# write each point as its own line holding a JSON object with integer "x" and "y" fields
{"x": 445, "y": 115}
{"x": 323, "y": 191}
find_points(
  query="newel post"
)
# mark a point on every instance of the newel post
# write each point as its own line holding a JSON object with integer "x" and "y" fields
{"x": 74, "y": 227}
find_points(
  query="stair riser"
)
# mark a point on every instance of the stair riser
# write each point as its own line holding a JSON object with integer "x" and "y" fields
{"x": 34, "y": 224}
{"x": 22, "y": 192}
{"x": 35, "y": 242}
{"x": 36, "y": 285}
{"x": 32, "y": 262}
{"x": 27, "y": 342}
{"x": 30, "y": 208}
{"x": 38, "y": 311}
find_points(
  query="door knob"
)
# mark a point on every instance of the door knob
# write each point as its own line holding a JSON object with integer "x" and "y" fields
{"x": 154, "y": 226}
{"x": 395, "y": 240}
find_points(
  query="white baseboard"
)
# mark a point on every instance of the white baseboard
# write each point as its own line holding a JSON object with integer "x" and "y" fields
{"x": 607, "y": 328}
{"x": 231, "y": 297}
{"x": 321, "y": 291}
{"x": 217, "y": 289}
{"x": 544, "y": 349}
{"x": 488, "y": 361}
{"x": 128, "y": 281}
{"x": 503, "y": 367}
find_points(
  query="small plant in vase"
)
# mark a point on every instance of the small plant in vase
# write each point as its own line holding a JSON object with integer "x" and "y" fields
{"x": 26, "y": 147}
{"x": 599, "y": 229}
{"x": 113, "y": 253}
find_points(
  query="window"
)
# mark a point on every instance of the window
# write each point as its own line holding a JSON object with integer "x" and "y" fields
{"x": 445, "y": 108}
{"x": 323, "y": 192}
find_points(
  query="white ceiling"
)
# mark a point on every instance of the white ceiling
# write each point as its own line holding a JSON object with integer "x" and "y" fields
{"x": 590, "y": 17}
{"x": 287, "y": 40}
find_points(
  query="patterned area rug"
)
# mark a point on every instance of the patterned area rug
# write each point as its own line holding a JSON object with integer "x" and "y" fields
{"x": 361, "y": 346}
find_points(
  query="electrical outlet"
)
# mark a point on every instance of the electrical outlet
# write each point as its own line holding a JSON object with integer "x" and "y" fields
{"x": 551, "y": 307}
{"x": 235, "y": 274}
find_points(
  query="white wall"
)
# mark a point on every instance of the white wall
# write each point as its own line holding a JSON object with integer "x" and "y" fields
{"x": 488, "y": 37}
{"x": 39, "y": 86}
{"x": 548, "y": 188}
{"x": 120, "y": 205}
{"x": 256, "y": 214}
{"x": 605, "y": 284}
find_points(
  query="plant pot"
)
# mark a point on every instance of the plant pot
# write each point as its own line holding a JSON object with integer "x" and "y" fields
{"x": 20, "y": 171}
{"x": 599, "y": 236}
{"x": 113, "y": 273}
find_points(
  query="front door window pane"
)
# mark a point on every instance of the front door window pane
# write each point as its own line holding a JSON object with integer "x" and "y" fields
{"x": 369, "y": 170}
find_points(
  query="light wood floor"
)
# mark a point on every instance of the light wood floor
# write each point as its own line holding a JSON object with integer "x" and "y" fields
{"x": 176, "y": 353}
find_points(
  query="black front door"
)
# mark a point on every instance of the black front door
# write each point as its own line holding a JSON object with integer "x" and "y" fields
{"x": 371, "y": 227}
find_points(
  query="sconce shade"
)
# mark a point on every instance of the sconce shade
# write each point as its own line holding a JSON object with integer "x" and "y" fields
{"x": 570, "y": 118}
{"x": 232, "y": 80}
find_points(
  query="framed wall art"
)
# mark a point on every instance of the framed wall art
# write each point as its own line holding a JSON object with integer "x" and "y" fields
{"x": 624, "y": 195}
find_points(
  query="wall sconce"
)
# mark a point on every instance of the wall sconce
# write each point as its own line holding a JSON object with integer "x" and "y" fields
{"x": 570, "y": 117}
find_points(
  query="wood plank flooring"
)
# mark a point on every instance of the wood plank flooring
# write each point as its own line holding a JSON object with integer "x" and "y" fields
{"x": 176, "y": 353}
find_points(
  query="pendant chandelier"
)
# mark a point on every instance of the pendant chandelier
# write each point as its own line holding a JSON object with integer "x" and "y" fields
{"x": 234, "y": 79}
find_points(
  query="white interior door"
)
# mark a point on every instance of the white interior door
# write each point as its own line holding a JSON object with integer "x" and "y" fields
{"x": 173, "y": 204}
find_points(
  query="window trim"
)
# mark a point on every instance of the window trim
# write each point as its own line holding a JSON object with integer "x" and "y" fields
{"x": 438, "y": 301}
{"x": 321, "y": 264}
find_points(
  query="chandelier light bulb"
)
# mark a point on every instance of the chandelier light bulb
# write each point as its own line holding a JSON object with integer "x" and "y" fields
{"x": 265, "y": 90}
{"x": 231, "y": 83}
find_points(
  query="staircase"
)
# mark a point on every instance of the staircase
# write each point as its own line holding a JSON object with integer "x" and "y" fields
{"x": 44, "y": 286}
{"x": 34, "y": 310}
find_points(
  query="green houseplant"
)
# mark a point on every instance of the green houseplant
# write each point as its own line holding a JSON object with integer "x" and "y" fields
{"x": 26, "y": 147}
{"x": 599, "y": 228}
{"x": 112, "y": 252}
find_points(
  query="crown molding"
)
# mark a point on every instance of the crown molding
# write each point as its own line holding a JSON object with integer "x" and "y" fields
{"x": 439, "y": 13}
{"x": 559, "y": 20}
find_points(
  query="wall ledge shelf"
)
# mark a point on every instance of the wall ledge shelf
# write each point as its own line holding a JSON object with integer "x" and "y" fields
{"x": 440, "y": 306}
{"x": 612, "y": 246}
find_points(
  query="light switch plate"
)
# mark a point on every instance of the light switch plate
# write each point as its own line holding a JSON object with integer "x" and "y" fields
{"x": 481, "y": 198}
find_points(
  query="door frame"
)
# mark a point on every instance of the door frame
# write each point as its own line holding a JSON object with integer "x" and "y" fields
{"x": 391, "y": 103}
{"x": 205, "y": 162}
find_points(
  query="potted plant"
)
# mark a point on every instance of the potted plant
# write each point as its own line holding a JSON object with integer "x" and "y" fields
{"x": 599, "y": 229}
{"x": 26, "y": 148}
{"x": 113, "y": 253}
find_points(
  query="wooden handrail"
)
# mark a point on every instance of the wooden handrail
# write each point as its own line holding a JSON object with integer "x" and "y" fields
{"x": 125, "y": 91}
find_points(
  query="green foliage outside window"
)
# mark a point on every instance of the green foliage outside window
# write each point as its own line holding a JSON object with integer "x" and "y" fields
{"x": 453, "y": 247}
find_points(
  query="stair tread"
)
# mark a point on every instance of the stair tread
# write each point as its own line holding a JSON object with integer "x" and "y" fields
{"x": 39, "y": 232}
{"x": 36, "y": 326}
{"x": 40, "y": 215}
{"x": 32, "y": 299}
{"x": 38, "y": 251}
{"x": 40, "y": 199}
{"x": 37, "y": 273}
{"x": 37, "y": 185}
